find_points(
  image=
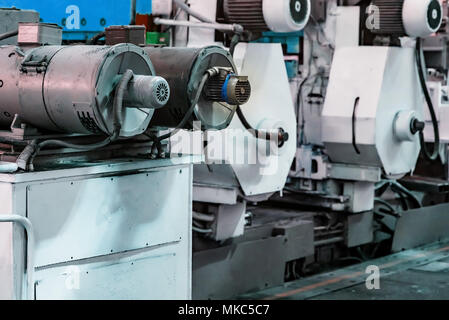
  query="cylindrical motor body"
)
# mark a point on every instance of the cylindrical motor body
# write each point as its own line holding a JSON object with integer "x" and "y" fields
{"x": 265, "y": 15}
{"x": 229, "y": 88}
{"x": 413, "y": 18}
{"x": 184, "y": 69}
{"x": 71, "y": 88}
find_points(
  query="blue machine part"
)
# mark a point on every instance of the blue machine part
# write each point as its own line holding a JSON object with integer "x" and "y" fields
{"x": 94, "y": 15}
{"x": 291, "y": 43}
{"x": 289, "y": 40}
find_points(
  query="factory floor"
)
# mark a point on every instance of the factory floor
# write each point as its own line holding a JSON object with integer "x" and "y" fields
{"x": 418, "y": 274}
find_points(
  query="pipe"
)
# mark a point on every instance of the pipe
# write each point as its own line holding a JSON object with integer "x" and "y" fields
{"x": 8, "y": 167}
{"x": 326, "y": 242}
{"x": 8, "y": 35}
{"x": 133, "y": 12}
{"x": 29, "y": 270}
{"x": 203, "y": 231}
{"x": 189, "y": 24}
{"x": 203, "y": 217}
{"x": 188, "y": 10}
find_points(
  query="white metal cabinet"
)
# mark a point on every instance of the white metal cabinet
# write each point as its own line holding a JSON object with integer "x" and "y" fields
{"x": 111, "y": 231}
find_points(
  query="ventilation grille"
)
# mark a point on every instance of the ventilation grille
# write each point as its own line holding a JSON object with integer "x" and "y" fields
{"x": 213, "y": 90}
{"x": 88, "y": 122}
{"x": 162, "y": 92}
{"x": 242, "y": 92}
{"x": 390, "y": 18}
{"x": 248, "y": 13}
{"x": 238, "y": 90}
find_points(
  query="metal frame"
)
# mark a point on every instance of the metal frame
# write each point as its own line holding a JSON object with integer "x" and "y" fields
{"x": 28, "y": 227}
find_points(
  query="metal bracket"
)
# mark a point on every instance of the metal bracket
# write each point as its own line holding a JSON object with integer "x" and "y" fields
{"x": 29, "y": 270}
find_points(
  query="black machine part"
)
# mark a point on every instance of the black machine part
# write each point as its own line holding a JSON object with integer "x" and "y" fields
{"x": 401, "y": 18}
{"x": 184, "y": 68}
{"x": 228, "y": 87}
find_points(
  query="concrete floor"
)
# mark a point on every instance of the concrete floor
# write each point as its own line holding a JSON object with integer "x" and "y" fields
{"x": 418, "y": 274}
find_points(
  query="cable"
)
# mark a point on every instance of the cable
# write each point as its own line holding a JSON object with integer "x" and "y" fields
{"x": 397, "y": 187}
{"x": 96, "y": 37}
{"x": 190, "y": 111}
{"x": 422, "y": 78}
{"x": 117, "y": 111}
{"x": 259, "y": 134}
{"x": 234, "y": 42}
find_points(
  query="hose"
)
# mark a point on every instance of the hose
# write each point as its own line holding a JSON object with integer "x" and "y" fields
{"x": 234, "y": 42}
{"x": 396, "y": 186}
{"x": 32, "y": 150}
{"x": 260, "y": 134}
{"x": 190, "y": 111}
{"x": 203, "y": 217}
{"x": 8, "y": 35}
{"x": 432, "y": 156}
{"x": 202, "y": 231}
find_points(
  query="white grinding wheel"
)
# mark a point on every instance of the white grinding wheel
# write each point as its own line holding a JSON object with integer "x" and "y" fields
{"x": 422, "y": 18}
{"x": 286, "y": 15}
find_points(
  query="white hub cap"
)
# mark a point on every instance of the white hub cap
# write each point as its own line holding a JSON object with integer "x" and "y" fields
{"x": 286, "y": 15}
{"x": 421, "y": 18}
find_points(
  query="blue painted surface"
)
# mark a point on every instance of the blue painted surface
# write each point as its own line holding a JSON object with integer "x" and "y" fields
{"x": 291, "y": 43}
{"x": 95, "y": 15}
{"x": 290, "y": 40}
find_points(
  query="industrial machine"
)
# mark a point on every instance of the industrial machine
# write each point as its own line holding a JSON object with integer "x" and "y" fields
{"x": 368, "y": 119}
{"x": 79, "y": 19}
{"x": 362, "y": 122}
{"x": 200, "y": 166}
{"x": 250, "y": 160}
{"x": 86, "y": 188}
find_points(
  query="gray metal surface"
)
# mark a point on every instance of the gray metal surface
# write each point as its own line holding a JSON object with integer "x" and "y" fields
{"x": 10, "y": 18}
{"x": 349, "y": 283}
{"x": 184, "y": 68}
{"x": 228, "y": 271}
{"x": 359, "y": 229}
{"x": 420, "y": 226}
{"x": 70, "y": 88}
{"x": 253, "y": 262}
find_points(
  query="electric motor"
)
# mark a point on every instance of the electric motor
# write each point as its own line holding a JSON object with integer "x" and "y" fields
{"x": 413, "y": 18}
{"x": 265, "y": 15}
{"x": 184, "y": 69}
{"x": 71, "y": 88}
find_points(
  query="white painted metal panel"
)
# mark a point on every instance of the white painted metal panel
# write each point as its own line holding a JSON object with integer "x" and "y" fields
{"x": 380, "y": 83}
{"x": 6, "y": 247}
{"x": 86, "y": 218}
{"x": 153, "y": 277}
{"x": 270, "y": 107}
